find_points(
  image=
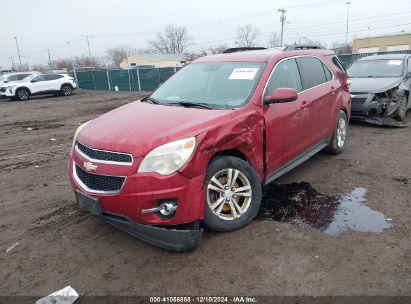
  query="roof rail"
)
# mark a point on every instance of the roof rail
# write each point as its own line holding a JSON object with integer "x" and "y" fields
{"x": 294, "y": 47}
{"x": 243, "y": 49}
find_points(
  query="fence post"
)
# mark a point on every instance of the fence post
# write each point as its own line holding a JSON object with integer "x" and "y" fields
{"x": 129, "y": 79}
{"x": 94, "y": 80}
{"x": 138, "y": 80}
{"x": 159, "y": 77}
{"x": 108, "y": 81}
{"x": 175, "y": 70}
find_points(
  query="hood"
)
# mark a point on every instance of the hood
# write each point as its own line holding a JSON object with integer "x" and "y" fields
{"x": 374, "y": 85}
{"x": 12, "y": 82}
{"x": 139, "y": 127}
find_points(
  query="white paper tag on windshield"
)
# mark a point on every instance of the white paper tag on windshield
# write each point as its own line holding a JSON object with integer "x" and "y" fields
{"x": 394, "y": 62}
{"x": 243, "y": 73}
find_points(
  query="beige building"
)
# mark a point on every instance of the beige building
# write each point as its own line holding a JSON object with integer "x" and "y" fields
{"x": 388, "y": 43}
{"x": 156, "y": 60}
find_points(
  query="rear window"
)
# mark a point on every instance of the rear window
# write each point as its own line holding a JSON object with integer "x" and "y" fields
{"x": 312, "y": 72}
{"x": 328, "y": 74}
{"x": 336, "y": 62}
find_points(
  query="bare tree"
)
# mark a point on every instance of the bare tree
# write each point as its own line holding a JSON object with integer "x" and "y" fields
{"x": 218, "y": 49}
{"x": 174, "y": 40}
{"x": 116, "y": 55}
{"x": 62, "y": 63}
{"x": 40, "y": 68}
{"x": 246, "y": 35}
{"x": 274, "y": 40}
{"x": 80, "y": 62}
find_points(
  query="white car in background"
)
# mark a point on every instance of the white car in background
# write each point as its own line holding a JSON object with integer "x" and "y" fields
{"x": 9, "y": 77}
{"x": 56, "y": 84}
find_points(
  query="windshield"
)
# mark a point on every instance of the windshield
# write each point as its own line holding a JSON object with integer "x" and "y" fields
{"x": 376, "y": 68}
{"x": 216, "y": 84}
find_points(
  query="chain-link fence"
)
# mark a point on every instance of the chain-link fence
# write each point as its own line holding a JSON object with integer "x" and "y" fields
{"x": 346, "y": 60}
{"x": 124, "y": 80}
{"x": 150, "y": 79}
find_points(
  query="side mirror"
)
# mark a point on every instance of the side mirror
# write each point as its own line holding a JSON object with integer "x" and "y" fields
{"x": 281, "y": 95}
{"x": 33, "y": 80}
{"x": 5, "y": 80}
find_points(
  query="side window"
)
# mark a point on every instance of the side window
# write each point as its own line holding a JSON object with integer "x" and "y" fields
{"x": 312, "y": 72}
{"x": 53, "y": 77}
{"x": 39, "y": 78}
{"x": 328, "y": 74}
{"x": 285, "y": 75}
{"x": 338, "y": 64}
{"x": 22, "y": 76}
{"x": 409, "y": 65}
{"x": 12, "y": 78}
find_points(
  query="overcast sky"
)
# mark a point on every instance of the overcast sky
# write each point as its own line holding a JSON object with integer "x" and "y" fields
{"x": 48, "y": 24}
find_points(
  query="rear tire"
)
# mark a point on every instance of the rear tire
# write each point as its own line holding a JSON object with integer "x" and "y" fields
{"x": 66, "y": 90}
{"x": 233, "y": 194}
{"x": 22, "y": 94}
{"x": 338, "y": 140}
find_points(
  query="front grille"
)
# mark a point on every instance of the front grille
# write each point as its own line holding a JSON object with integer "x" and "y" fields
{"x": 95, "y": 154}
{"x": 101, "y": 183}
{"x": 359, "y": 100}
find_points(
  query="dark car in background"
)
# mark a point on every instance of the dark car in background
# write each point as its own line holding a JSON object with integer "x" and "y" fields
{"x": 380, "y": 88}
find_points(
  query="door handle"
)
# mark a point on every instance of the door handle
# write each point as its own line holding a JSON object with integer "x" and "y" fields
{"x": 305, "y": 104}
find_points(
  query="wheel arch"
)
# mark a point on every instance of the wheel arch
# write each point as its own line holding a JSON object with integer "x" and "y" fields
{"x": 23, "y": 87}
{"x": 66, "y": 84}
{"x": 229, "y": 152}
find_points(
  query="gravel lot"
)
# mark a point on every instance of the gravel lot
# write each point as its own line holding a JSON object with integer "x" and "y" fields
{"x": 60, "y": 245}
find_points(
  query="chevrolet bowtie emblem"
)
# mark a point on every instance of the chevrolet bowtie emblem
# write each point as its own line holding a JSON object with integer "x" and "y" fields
{"x": 89, "y": 166}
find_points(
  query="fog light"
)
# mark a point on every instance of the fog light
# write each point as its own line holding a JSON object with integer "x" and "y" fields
{"x": 167, "y": 208}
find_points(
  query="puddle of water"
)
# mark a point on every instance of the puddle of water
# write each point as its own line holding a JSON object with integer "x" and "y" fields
{"x": 331, "y": 214}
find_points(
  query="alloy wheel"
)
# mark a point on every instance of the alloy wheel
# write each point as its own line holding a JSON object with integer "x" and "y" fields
{"x": 66, "y": 91}
{"x": 229, "y": 194}
{"x": 341, "y": 132}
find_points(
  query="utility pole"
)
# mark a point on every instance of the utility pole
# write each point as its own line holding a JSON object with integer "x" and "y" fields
{"x": 283, "y": 18}
{"x": 18, "y": 52}
{"x": 72, "y": 62}
{"x": 12, "y": 63}
{"x": 51, "y": 67}
{"x": 348, "y": 17}
{"x": 88, "y": 44}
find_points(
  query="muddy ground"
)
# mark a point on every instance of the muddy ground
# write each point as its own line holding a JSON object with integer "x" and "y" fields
{"x": 58, "y": 244}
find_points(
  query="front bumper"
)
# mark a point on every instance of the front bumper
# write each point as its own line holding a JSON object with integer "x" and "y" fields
{"x": 368, "y": 108}
{"x": 124, "y": 209}
{"x": 183, "y": 239}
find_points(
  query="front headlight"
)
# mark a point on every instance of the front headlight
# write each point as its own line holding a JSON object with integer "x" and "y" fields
{"x": 168, "y": 158}
{"x": 77, "y": 132}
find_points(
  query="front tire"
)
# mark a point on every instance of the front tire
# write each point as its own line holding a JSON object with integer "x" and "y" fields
{"x": 233, "y": 194}
{"x": 338, "y": 140}
{"x": 66, "y": 90}
{"x": 22, "y": 94}
{"x": 402, "y": 108}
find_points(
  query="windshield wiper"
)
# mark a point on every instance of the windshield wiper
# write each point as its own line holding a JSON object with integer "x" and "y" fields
{"x": 189, "y": 104}
{"x": 152, "y": 100}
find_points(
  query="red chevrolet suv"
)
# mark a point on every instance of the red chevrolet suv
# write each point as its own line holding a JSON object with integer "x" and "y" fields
{"x": 197, "y": 152}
